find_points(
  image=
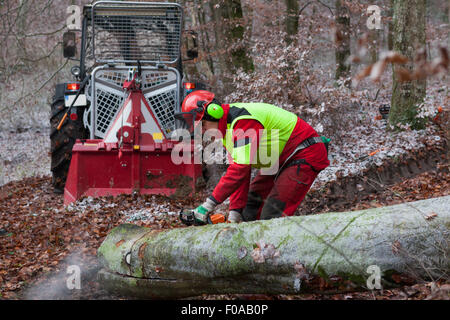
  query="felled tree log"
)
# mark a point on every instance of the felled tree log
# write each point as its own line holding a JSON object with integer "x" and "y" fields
{"x": 289, "y": 255}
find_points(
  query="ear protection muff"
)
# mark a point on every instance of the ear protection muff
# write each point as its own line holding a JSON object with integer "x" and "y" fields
{"x": 215, "y": 111}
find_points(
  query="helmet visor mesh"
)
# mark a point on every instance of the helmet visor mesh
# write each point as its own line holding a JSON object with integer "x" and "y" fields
{"x": 187, "y": 119}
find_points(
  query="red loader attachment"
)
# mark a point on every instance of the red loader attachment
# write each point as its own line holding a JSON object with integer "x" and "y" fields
{"x": 134, "y": 156}
{"x": 96, "y": 170}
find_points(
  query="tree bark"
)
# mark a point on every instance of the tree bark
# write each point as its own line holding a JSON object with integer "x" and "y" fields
{"x": 342, "y": 40}
{"x": 409, "y": 36}
{"x": 280, "y": 256}
{"x": 292, "y": 9}
{"x": 229, "y": 33}
{"x": 390, "y": 41}
{"x": 374, "y": 45}
{"x": 202, "y": 69}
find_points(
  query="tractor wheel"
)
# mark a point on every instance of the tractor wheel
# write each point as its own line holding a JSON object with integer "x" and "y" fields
{"x": 62, "y": 141}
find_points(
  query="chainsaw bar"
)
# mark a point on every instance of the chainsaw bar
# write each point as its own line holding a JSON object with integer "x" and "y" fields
{"x": 187, "y": 217}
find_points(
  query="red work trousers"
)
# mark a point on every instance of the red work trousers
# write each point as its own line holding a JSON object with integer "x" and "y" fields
{"x": 269, "y": 198}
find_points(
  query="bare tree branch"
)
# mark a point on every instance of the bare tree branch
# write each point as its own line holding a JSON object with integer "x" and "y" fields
{"x": 31, "y": 94}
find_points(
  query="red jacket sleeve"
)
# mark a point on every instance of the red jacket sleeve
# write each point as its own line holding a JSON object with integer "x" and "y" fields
{"x": 236, "y": 181}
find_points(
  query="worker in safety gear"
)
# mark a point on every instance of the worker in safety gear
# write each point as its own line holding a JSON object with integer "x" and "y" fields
{"x": 295, "y": 150}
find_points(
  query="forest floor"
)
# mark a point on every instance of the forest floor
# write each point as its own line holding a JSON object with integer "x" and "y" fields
{"x": 40, "y": 237}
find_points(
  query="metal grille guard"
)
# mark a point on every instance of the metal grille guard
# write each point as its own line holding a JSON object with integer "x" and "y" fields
{"x": 159, "y": 86}
{"x": 125, "y": 32}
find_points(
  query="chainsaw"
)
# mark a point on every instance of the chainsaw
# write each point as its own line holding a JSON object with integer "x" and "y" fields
{"x": 188, "y": 218}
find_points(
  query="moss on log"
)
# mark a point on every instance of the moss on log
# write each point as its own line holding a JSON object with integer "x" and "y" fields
{"x": 279, "y": 256}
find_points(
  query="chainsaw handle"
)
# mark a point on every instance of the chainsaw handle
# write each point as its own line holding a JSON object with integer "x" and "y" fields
{"x": 216, "y": 218}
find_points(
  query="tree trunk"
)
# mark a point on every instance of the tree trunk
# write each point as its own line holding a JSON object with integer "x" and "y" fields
{"x": 292, "y": 9}
{"x": 374, "y": 45}
{"x": 202, "y": 69}
{"x": 391, "y": 26}
{"x": 229, "y": 33}
{"x": 342, "y": 40}
{"x": 291, "y": 255}
{"x": 409, "y": 36}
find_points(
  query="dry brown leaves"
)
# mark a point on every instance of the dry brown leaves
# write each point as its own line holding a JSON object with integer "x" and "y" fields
{"x": 424, "y": 186}
{"x": 40, "y": 233}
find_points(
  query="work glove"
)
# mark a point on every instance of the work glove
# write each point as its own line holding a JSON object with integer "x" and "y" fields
{"x": 234, "y": 216}
{"x": 202, "y": 212}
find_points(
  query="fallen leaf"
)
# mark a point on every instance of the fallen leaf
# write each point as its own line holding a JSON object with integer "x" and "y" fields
{"x": 257, "y": 255}
{"x": 264, "y": 251}
{"x": 396, "y": 247}
{"x": 302, "y": 272}
{"x": 142, "y": 250}
{"x": 119, "y": 243}
{"x": 242, "y": 253}
{"x": 431, "y": 216}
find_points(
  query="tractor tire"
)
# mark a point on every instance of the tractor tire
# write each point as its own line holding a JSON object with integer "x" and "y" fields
{"x": 62, "y": 141}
